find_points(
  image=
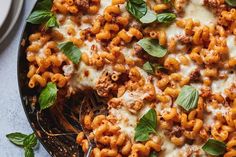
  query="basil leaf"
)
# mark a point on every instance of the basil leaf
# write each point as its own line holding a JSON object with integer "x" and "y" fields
{"x": 44, "y": 5}
{"x": 43, "y": 17}
{"x": 166, "y": 1}
{"x": 71, "y": 51}
{"x": 148, "y": 68}
{"x": 39, "y": 17}
{"x": 146, "y": 125}
{"x": 149, "y": 17}
{"x": 166, "y": 17}
{"x": 214, "y": 147}
{"x": 188, "y": 98}
{"x": 48, "y": 96}
{"x": 52, "y": 22}
{"x": 151, "y": 68}
{"x": 16, "y": 138}
{"x": 137, "y": 10}
{"x": 157, "y": 66}
{"x": 152, "y": 47}
{"x": 231, "y": 3}
{"x": 153, "y": 154}
{"x": 30, "y": 141}
{"x": 29, "y": 152}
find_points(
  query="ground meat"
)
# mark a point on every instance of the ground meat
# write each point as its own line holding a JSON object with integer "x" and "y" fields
{"x": 184, "y": 39}
{"x": 114, "y": 103}
{"x": 217, "y": 6}
{"x": 176, "y": 131}
{"x": 105, "y": 85}
{"x": 206, "y": 92}
{"x": 195, "y": 76}
{"x": 83, "y": 4}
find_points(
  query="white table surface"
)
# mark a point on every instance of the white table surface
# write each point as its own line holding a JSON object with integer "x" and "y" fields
{"x": 12, "y": 116}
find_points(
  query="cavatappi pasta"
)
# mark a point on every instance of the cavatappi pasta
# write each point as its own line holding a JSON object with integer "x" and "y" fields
{"x": 201, "y": 53}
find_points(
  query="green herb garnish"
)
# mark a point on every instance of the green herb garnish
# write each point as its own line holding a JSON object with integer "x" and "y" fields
{"x": 44, "y": 5}
{"x": 166, "y": 17}
{"x": 48, "y": 96}
{"x": 231, "y": 3}
{"x": 214, "y": 147}
{"x": 151, "y": 68}
{"x": 28, "y": 142}
{"x": 43, "y": 15}
{"x": 71, "y": 51}
{"x": 146, "y": 125}
{"x": 153, "y": 154}
{"x": 137, "y": 8}
{"x": 152, "y": 47}
{"x": 149, "y": 17}
{"x": 188, "y": 98}
{"x": 17, "y": 138}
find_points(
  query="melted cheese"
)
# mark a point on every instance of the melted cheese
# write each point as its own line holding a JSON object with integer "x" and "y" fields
{"x": 197, "y": 11}
{"x": 86, "y": 76}
{"x": 170, "y": 150}
{"x": 103, "y": 5}
{"x": 186, "y": 70}
{"x": 130, "y": 97}
{"x": 231, "y": 45}
{"x": 126, "y": 120}
{"x": 218, "y": 86}
{"x": 210, "y": 117}
{"x": 173, "y": 31}
{"x": 167, "y": 147}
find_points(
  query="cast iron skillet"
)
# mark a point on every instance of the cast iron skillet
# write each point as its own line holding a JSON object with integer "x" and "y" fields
{"x": 55, "y": 128}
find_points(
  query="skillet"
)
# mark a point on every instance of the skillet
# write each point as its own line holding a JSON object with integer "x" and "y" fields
{"x": 56, "y": 128}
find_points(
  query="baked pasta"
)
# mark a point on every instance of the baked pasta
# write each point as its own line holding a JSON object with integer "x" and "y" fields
{"x": 165, "y": 67}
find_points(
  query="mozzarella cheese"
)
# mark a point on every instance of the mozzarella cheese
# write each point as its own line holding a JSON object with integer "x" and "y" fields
{"x": 197, "y": 11}
{"x": 231, "y": 45}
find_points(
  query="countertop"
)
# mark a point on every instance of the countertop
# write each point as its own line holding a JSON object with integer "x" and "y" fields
{"x": 12, "y": 116}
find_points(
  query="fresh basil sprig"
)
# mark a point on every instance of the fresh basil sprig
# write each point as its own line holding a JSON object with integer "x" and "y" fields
{"x": 48, "y": 96}
{"x": 71, "y": 51}
{"x": 231, "y": 3}
{"x": 188, "y": 98}
{"x": 152, "y": 47}
{"x": 39, "y": 17}
{"x": 151, "y": 67}
{"x": 43, "y": 15}
{"x": 214, "y": 147}
{"x": 146, "y": 125}
{"x": 166, "y": 18}
{"x": 28, "y": 142}
{"x": 137, "y": 8}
